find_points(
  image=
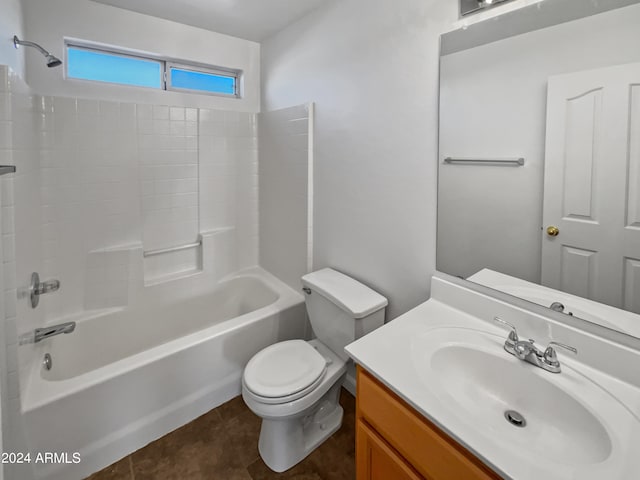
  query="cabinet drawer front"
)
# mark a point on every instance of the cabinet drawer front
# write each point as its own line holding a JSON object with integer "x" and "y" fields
{"x": 426, "y": 448}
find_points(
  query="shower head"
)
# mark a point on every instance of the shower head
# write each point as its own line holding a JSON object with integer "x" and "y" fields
{"x": 52, "y": 61}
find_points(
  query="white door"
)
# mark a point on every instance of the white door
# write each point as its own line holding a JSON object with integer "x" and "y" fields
{"x": 592, "y": 186}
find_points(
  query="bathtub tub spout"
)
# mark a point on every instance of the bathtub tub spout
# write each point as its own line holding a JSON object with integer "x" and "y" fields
{"x": 43, "y": 333}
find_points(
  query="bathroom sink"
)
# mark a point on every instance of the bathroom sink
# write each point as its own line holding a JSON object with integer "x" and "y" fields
{"x": 521, "y": 421}
{"x": 515, "y": 404}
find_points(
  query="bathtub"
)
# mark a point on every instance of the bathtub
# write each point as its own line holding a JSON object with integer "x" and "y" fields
{"x": 126, "y": 377}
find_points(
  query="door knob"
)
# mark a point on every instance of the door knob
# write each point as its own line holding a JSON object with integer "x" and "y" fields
{"x": 553, "y": 231}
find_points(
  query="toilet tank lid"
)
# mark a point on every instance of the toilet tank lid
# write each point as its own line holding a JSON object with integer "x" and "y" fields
{"x": 349, "y": 294}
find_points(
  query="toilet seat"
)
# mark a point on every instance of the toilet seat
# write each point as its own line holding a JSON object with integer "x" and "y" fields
{"x": 284, "y": 372}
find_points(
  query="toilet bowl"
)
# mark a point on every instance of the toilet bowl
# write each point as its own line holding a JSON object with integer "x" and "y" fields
{"x": 294, "y": 386}
{"x": 296, "y": 422}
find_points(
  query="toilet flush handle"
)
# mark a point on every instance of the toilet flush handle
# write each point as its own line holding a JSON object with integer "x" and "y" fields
{"x": 306, "y": 290}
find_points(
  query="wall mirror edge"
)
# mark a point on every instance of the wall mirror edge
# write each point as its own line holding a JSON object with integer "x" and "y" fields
{"x": 628, "y": 339}
{"x": 583, "y": 325}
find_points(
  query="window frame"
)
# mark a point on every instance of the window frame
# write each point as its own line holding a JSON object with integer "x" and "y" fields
{"x": 165, "y": 70}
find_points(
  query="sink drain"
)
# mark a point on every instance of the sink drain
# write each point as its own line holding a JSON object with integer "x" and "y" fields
{"x": 514, "y": 418}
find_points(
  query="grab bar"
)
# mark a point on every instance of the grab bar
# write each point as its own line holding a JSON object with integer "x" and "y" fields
{"x": 4, "y": 169}
{"x": 515, "y": 162}
{"x": 152, "y": 253}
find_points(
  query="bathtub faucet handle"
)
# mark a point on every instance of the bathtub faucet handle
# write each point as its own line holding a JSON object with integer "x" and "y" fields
{"x": 48, "y": 286}
{"x": 38, "y": 288}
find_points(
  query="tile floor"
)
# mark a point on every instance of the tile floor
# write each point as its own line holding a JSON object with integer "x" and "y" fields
{"x": 223, "y": 445}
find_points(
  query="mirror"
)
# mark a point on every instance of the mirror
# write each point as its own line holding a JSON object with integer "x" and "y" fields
{"x": 539, "y": 169}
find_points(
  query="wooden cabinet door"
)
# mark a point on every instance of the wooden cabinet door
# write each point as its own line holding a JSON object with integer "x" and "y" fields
{"x": 376, "y": 460}
{"x": 387, "y": 424}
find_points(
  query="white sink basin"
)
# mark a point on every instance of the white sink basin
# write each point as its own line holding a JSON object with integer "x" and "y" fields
{"x": 478, "y": 382}
{"x": 446, "y": 359}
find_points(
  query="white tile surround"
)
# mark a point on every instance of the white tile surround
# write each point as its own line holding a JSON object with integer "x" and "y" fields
{"x": 99, "y": 182}
{"x": 286, "y": 182}
{"x": 228, "y": 180}
{"x": 118, "y": 175}
{"x": 20, "y": 240}
{"x": 168, "y": 160}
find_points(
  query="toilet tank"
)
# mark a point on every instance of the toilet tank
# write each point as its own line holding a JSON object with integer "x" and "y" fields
{"x": 341, "y": 309}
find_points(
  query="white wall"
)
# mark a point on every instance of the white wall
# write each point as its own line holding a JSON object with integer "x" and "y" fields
{"x": 371, "y": 66}
{"x": 11, "y": 23}
{"x": 50, "y": 22}
{"x": 493, "y": 104}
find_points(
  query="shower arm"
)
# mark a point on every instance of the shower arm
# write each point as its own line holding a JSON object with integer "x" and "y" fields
{"x": 17, "y": 42}
{"x": 52, "y": 60}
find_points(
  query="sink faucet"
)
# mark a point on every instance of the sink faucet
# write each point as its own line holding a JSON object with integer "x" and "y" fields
{"x": 527, "y": 351}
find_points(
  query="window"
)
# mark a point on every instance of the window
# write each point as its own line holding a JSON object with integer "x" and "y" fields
{"x": 107, "y": 67}
{"x": 185, "y": 78}
{"x": 86, "y": 63}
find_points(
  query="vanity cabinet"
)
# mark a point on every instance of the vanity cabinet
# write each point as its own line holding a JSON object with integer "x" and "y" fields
{"x": 382, "y": 461}
{"x": 393, "y": 441}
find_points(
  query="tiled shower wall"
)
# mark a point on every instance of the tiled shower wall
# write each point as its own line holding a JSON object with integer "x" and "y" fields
{"x": 286, "y": 184}
{"x": 20, "y": 200}
{"x": 97, "y": 181}
{"x": 119, "y": 175}
{"x": 228, "y": 146}
{"x": 168, "y": 158}
{"x": 89, "y": 195}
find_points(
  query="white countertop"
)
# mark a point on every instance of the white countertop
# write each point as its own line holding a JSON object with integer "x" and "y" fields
{"x": 392, "y": 355}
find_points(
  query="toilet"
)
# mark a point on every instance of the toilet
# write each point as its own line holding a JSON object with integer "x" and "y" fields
{"x": 294, "y": 386}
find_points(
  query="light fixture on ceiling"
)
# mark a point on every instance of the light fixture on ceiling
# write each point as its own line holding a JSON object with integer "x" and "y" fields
{"x": 473, "y": 6}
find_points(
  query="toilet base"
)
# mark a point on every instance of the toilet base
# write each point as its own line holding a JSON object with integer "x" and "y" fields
{"x": 286, "y": 442}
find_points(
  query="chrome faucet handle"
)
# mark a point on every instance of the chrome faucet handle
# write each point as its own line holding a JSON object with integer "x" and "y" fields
{"x": 550, "y": 356}
{"x": 513, "y": 334}
{"x": 524, "y": 348}
{"x": 37, "y": 288}
{"x": 47, "y": 287}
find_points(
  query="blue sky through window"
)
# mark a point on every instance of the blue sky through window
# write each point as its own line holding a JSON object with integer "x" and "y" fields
{"x": 105, "y": 67}
{"x": 206, "y": 82}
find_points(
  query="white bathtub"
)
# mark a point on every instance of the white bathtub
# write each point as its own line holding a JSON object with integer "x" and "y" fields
{"x": 126, "y": 377}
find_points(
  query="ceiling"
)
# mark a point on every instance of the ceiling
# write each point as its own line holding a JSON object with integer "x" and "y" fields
{"x": 250, "y": 19}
